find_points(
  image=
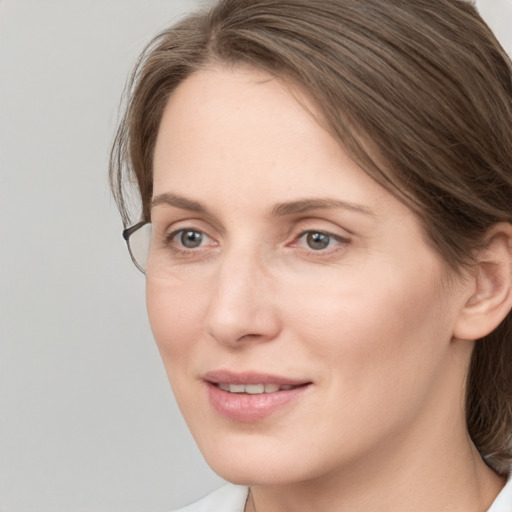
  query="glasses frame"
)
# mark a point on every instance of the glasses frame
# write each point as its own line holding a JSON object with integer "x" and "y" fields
{"x": 127, "y": 233}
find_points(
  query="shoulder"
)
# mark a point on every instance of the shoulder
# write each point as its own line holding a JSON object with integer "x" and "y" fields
{"x": 230, "y": 498}
{"x": 503, "y": 502}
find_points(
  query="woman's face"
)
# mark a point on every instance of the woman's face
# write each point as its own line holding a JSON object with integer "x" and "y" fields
{"x": 304, "y": 322}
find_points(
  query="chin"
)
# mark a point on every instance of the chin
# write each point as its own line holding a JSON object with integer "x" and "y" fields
{"x": 262, "y": 463}
{"x": 255, "y": 473}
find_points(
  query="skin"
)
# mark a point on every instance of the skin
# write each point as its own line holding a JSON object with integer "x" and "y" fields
{"x": 369, "y": 320}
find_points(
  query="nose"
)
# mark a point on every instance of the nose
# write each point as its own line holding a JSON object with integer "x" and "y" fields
{"x": 242, "y": 308}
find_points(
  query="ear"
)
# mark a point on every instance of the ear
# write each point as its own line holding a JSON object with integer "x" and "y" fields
{"x": 490, "y": 290}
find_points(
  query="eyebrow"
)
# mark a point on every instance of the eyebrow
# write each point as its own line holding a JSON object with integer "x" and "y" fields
{"x": 278, "y": 210}
{"x": 305, "y": 205}
{"x": 179, "y": 202}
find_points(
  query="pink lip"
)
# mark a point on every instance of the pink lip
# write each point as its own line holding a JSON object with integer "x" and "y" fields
{"x": 227, "y": 377}
{"x": 248, "y": 408}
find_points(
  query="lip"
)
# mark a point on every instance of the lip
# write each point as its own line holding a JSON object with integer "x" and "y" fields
{"x": 247, "y": 408}
{"x": 227, "y": 377}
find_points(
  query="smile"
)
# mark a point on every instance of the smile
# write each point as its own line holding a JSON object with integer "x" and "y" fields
{"x": 254, "y": 389}
{"x": 251, "y": 397}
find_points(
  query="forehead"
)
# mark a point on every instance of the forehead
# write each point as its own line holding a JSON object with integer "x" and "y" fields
{"x": 229, "y": 110}
{"x": 223, "y": 125}
{"x": 243, "y": 138}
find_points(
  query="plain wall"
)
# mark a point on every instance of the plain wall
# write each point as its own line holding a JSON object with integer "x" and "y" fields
{"x": 87, "y": 419}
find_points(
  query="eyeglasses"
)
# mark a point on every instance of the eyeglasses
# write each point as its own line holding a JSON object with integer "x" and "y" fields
{"x": 138, "y": 240}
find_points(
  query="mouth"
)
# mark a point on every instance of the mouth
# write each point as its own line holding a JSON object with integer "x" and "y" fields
{"x": 251, "y": 397}
{"x": 256, "y": 389}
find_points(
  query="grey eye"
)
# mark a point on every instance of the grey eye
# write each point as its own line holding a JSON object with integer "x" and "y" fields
{"x": 190, "y": 238}
{"x": 317, "y": 241}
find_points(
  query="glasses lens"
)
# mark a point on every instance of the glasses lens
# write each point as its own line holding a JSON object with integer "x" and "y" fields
{"x": 139, "y": 244}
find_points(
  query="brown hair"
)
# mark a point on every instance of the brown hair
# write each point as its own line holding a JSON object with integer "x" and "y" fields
{"x": 418, "y": 92}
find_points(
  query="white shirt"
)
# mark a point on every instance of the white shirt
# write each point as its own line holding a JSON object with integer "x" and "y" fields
{"x": 232, "y": 498}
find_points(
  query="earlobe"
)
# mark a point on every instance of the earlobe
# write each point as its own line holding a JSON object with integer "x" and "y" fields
{"x": 490, "y": 300}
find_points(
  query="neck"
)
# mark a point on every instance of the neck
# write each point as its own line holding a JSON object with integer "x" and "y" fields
{"x": 423, "y": 473}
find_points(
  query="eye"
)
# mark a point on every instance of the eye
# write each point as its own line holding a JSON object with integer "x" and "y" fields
{"x": 319, "y": 240}
{"x": 188, "y": 239}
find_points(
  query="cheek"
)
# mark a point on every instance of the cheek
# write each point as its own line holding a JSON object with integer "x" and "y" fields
{"x": 175, "y": 313}
{"x": 373, "y": 322}
{"x": 379, "y": 341}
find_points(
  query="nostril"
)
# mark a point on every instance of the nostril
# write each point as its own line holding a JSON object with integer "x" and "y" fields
{"x": 250, "y": 336}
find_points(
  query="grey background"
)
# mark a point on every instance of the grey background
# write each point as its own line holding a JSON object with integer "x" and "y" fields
{"x": 87, "y": 420}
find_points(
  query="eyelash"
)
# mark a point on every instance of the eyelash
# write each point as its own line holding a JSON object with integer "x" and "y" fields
{"x": 340, "y": 242}
{"x": 180, "y": 249}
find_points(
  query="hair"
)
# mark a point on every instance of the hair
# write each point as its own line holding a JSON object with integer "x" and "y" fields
{"x": 419, "y": 94}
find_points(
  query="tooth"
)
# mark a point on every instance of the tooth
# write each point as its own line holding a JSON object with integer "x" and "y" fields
{"x": 254, "y": 389}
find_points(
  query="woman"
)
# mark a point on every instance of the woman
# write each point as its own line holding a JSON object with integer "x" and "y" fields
{"x": 326, "y": 234}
